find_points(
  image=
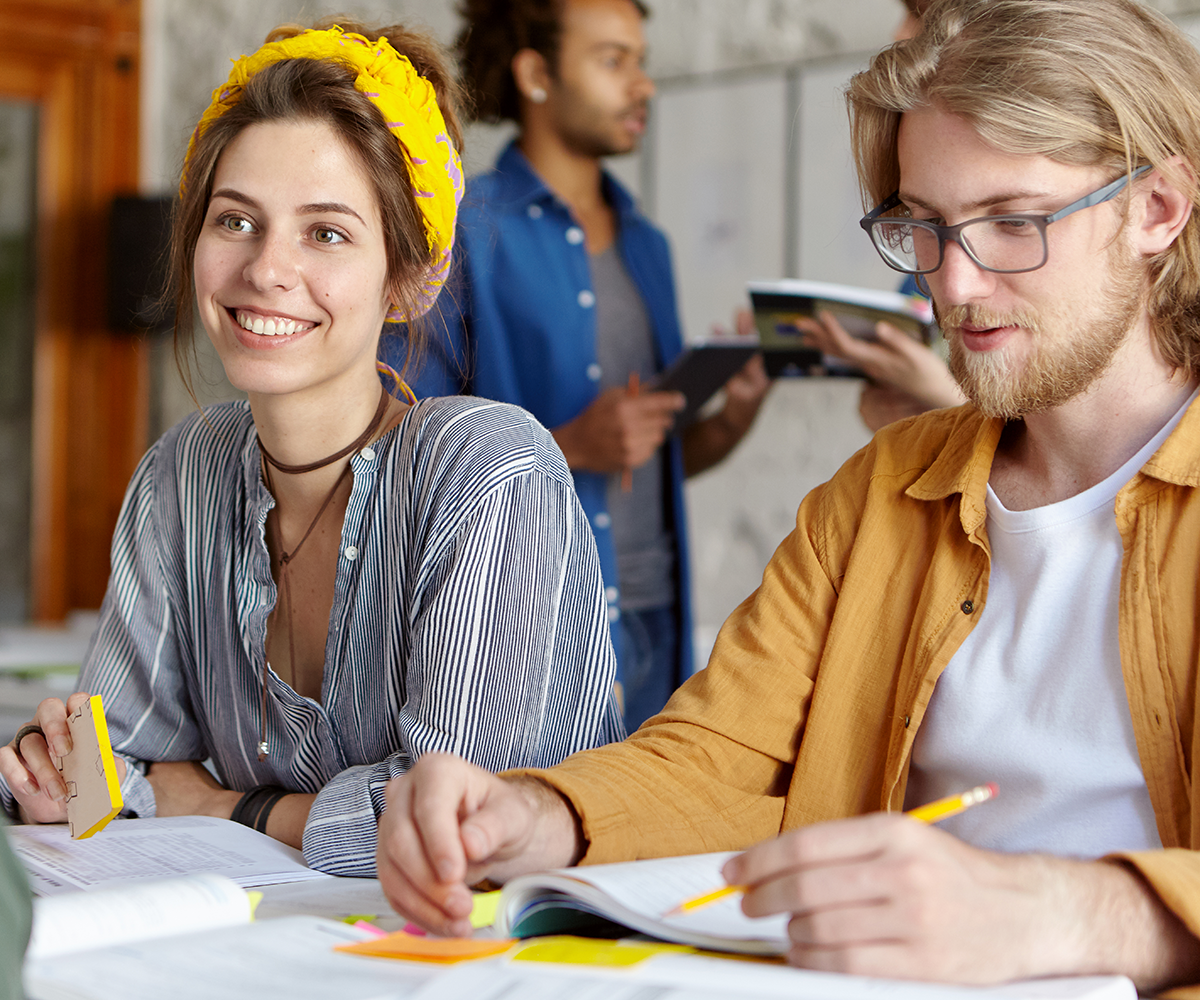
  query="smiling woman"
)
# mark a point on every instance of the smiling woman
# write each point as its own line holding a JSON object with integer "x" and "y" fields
{"x": 314, "y": 588}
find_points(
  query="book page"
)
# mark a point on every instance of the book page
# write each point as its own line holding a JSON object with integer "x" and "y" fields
{"x": 77, "y": 921}
{"x": 654, "y": 887}
{"x": 144, "y": 849}
{"x": 289, "y": 958}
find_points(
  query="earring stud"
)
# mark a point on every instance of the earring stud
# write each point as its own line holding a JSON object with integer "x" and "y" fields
{"x": 537, "y": 95}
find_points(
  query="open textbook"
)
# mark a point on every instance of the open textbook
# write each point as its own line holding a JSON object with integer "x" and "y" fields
{"x": 636, "y": 895}
{"x": 143, "y": 849}
{"x": 778, "y": 305}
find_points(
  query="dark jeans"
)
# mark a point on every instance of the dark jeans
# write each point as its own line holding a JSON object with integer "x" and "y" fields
{"x": 649, "y": 641}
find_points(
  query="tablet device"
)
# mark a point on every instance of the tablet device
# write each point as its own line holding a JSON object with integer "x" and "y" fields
{"x": 700, "y": 371}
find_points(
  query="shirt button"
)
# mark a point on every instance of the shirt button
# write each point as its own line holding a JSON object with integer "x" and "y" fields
{"x": 613, "y": 613}
{"x": 594, "y": 371}
{"x": 968, "y": 606}
{"x": 587, "y": 299}
{"x": 575, "y": 236}
{"x": 610, "y": 595}
{"x": 602, "y": 520}
{"x": 350, "y": 552}
{"x": 368, "y": 453}
{"x": 534, "y": 211}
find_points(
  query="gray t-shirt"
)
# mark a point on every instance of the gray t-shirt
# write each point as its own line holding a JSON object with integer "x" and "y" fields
{"x": 644, "y": 545}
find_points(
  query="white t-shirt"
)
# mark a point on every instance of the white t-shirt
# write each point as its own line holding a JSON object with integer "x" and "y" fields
{"x": 1034, "y": 700}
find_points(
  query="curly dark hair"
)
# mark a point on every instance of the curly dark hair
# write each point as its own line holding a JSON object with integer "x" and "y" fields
{"x": 493, "y": 32}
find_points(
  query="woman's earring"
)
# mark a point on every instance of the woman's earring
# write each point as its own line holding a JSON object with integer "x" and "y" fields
{"x": 537, "y": 95}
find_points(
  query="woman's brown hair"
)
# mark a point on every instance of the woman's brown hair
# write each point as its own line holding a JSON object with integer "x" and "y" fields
{"x": 321, "y": 90}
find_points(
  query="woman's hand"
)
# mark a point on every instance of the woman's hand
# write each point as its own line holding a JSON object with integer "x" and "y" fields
{"x": 186, "y": 788}
{"x": 29, "y": 768}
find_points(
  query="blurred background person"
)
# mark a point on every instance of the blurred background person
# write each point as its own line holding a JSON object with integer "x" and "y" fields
{"x": 568, "y": 308}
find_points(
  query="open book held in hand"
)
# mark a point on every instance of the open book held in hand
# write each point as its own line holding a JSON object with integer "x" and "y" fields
{"x": 637, "y": 895}
{"x": 779, "y": 304}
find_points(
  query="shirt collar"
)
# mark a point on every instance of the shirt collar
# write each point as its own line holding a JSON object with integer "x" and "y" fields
{"x": 1178, "y": 460}
{"x": 965, "y": 463}
{"x": 963, "y": 466}
{"x": 520, "y": 184}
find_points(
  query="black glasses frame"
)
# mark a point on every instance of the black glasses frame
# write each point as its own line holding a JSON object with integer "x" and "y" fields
{"x": 953, "y": 234}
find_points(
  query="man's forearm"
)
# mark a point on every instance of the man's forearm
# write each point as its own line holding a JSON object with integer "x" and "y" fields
{"x": 707, "y": 442}
{"x": 1134, "y": 933}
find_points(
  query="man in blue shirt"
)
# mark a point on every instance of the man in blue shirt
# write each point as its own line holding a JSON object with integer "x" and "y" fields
{"x": 566, "y": 306}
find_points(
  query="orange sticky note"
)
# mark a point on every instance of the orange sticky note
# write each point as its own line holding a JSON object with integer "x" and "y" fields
{"x": 427, "y": 949}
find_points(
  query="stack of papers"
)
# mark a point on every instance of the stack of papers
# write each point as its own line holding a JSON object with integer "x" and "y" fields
{"x": 136, "y": 850}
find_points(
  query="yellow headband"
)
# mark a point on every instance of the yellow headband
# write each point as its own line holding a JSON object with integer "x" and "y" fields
{"x": 410, "y": 109}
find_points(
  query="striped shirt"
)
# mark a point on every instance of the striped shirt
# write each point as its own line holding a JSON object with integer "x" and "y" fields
{"x": 468, "y": 616}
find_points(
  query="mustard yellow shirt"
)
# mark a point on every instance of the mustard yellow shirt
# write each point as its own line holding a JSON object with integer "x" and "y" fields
{"x": 819, "y": 681}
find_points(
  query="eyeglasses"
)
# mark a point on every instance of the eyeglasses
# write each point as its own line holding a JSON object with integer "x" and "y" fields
{"x": 1008, "y": 244}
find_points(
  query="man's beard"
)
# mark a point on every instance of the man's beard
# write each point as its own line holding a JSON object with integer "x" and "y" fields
{"x": 1062, "y": 363}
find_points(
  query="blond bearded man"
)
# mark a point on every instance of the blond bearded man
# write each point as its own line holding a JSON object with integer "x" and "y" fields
{"x": 1004, "y": 591}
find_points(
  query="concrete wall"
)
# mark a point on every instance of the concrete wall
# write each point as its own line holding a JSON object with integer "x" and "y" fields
{"x": 746, "y": 167}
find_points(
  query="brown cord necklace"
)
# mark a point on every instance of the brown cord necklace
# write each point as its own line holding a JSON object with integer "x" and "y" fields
{"x": 285, "y": 558}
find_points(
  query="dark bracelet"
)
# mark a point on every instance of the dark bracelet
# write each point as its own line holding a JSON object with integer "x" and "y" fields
{"x": 255, "y": 806}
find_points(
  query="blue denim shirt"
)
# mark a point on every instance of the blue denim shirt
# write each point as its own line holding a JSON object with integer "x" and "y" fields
{"x": 518, "y": 324}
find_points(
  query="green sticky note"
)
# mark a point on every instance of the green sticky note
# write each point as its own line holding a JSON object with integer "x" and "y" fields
{"x": 366, "y": 918}
{"x": 483, "y": 913}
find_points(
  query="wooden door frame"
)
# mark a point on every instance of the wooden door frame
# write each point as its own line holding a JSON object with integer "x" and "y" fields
{"x": 79, "y": 61}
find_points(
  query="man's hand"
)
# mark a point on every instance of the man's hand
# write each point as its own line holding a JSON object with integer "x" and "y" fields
{"x": 884, "y": 895}
{"x": 186, "y": 788}
{"x": 29, "y": 769}
{"x": 708, "y": 441}
{"x": 619, "y": 431}
{"x": 450, "y": 824}
{"x": 893, "y": 359}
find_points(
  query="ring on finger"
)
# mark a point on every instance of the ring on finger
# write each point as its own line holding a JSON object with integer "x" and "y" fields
{"x": 26, "y": 730}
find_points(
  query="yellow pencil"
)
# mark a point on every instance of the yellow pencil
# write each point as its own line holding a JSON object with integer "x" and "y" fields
{"x": 931, "y": 812}
{"x": 954, "y": 804}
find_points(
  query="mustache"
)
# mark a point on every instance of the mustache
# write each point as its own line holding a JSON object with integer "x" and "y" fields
{"x": 974, "y": 314}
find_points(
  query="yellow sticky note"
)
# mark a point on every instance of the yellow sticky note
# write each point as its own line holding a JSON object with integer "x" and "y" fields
{"x": 483, "y": 912}
{"x": 567, "y": 950}
{"x": 255, "y": 898}
{"x": 426, "y": 949}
